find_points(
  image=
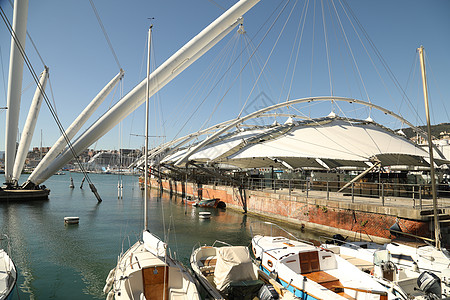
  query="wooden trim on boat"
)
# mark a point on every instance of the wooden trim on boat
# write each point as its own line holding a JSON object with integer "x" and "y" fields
{"x": 156, "y": 282}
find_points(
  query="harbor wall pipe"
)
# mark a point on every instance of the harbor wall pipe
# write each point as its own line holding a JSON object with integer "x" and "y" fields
{"x": 30, "y": 124}
{"x": 15, "y": 84}
{"x": 173, "y": 66}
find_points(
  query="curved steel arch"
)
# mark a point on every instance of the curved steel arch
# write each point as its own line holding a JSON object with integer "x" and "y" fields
{"x": 258, "y": 113}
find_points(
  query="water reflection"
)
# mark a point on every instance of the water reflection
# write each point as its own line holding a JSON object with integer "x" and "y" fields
{"x": 55, "y": 260}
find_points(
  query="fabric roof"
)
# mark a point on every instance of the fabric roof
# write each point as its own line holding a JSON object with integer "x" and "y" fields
{"x": 322, "y": 143}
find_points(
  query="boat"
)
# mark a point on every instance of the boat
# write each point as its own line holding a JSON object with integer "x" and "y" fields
{"x": 228, "y": 272}
{"x": 147, "y": 270}
{"x": 214, "y": 203}
{"x": 312, "y": 272}
{"x": 8, "y": 272}
{"x": 375, "y": 260}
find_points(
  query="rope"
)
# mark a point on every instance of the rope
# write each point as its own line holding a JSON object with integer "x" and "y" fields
{"x": 264, "y": 37}
{"x": 47, "y": 101}
{"x": 3, "y": 72}
{"x": 105, "y": 34}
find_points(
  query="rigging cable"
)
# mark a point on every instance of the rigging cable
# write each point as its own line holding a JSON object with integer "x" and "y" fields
{"x": 3, "y": 72}
{"x": 210, "y": 91}
{"x": 327, "y": 50}
{"x": 105, "y": 34}
{"x": 382, "y": 60}
{"x": 270, "y": 54}
{"x": 303, "y": 15}
{"x": 47, "y": 101}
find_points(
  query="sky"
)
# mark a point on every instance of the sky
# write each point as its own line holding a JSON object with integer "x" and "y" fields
{"x": 71, "y": 43}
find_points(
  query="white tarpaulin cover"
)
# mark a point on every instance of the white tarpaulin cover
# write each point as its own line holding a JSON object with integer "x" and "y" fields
{"x": 233, "y": 264}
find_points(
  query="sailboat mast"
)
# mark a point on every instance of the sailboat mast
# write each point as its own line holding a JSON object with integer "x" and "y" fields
{"x": 147, "y": 96}
{"x": 437, "y": 230}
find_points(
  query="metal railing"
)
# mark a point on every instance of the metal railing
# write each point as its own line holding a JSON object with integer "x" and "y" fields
{"x": 416, "y": 195}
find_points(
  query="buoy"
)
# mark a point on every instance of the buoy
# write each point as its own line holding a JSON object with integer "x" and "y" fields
{"x": 204, "y": 215}
{"x": 71, "y": 220}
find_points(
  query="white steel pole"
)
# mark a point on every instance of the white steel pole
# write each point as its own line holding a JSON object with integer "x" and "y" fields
{"x": 28, "y": 129}
{"x": 73, "y": 129}
{"x": 173, "y": 66}
{"x": 15, "y": 84}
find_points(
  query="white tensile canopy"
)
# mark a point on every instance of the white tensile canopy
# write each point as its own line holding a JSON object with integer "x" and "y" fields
{"x": 325, "y": 143}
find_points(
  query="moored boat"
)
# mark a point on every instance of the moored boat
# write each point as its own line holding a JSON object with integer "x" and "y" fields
{"x": 228, "y": 272}
{"x": 215, "y": 202}
{"x": 145, "y": 270}
{"x": 314, "y": 273}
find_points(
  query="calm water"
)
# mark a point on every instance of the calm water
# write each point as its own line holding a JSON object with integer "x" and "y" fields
{"x": 57, "y": 261}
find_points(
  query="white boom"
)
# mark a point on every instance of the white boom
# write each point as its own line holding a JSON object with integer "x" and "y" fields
{"x": 28, "y": 129}
{"x": 173, "y": 66}
{"x": 73, "y": 129}
{"x": 15, "y": 85}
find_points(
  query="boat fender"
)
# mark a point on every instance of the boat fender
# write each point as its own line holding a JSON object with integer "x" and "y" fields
{"x": 109, "y": 281}
{"x": 110, "y": 295}
{"x": 273, "y": 275}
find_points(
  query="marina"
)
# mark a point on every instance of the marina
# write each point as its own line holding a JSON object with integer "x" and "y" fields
{"x": 316, "y": 162}
{"x": 73, "y": 262}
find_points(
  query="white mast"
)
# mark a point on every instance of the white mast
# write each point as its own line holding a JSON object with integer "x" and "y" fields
{"x": 15, "y": 84}
{"x": 146, "y": 132}
{"x": 59, "y": 145}
{"x": 183, "y": 58}
{"x": 28, "y": 129}
{"x": 437, "y": 230}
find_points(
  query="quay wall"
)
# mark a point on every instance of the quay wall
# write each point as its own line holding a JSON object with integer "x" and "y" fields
{"x": 356, "y": 220}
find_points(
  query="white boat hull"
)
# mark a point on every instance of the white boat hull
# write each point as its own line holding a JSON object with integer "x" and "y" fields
{"x": 8, "y": 276}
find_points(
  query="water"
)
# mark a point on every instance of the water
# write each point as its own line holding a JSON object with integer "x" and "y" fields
{"x": 58, "y": 261}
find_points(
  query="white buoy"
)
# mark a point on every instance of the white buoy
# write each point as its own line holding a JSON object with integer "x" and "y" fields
{"x": 204, "y": 215}
{"x": 71, "y": 220}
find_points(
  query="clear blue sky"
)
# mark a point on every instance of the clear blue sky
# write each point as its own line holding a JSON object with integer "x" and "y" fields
{"x": 71, "y": 43}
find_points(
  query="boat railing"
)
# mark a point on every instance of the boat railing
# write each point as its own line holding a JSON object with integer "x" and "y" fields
{"x": 198, "y": 245}
{"x": 324, "y": 240}
{"x": 283, "y": 230}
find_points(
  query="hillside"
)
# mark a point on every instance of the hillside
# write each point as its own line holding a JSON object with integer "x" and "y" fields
{"x": 435, "y": 130}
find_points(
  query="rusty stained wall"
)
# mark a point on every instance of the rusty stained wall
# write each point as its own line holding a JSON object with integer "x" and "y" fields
{"x": 304, "y": 211}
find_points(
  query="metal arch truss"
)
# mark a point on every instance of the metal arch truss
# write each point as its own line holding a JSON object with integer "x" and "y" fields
{"x": 227, "y": 125}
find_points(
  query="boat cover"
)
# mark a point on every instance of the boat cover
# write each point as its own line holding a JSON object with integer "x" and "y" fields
{"x": 233, "y": 264}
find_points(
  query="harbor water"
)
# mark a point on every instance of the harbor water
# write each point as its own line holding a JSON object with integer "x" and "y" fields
{"x": 60, "y": 261}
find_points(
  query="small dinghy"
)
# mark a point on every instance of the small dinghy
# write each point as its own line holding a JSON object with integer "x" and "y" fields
{"x": 228, "y": 272}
